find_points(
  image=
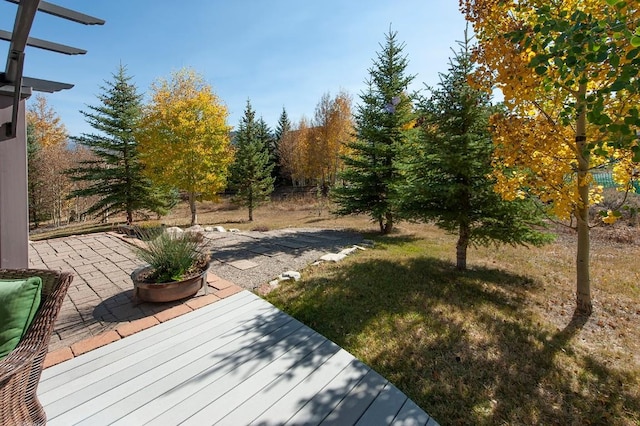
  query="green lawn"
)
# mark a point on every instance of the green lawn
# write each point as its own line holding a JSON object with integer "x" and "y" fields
{"x": 487, "y": 346}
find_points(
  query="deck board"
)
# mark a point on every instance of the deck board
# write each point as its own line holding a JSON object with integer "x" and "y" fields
{"x": 356, "y": 402}
{"x": 384, "y": 408}
{"x": 60, "y": 375}
{"x": 255, "y": 405}
{"x": 183, "y": 376}
{"x": 237, "y": 361}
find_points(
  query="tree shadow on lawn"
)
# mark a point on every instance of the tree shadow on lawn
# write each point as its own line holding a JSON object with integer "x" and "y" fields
{"x": 462, "y": 344}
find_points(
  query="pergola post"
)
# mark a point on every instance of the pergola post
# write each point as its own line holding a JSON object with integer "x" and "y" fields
{"x": 14, "y": 89}
{"x": 14, "y": 215}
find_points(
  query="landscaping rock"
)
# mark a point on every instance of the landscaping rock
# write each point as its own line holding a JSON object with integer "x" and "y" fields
{"x": 274, "y": 283}
{"x": 293, "y": 275}
{"x": 128, "y": 230}
{"x": 174, "y": 231}
{"x": 195, "y": 229}
{"x": 348, "y": 251}
{"x": 333, "y": 257}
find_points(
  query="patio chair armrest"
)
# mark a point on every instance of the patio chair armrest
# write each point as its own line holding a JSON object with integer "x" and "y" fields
{"x": 21, "y": 358}
{"x": 36, "y": 340}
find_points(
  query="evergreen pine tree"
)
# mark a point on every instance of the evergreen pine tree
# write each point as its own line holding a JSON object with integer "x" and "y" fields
{"x": 447, "y": 173}
{"x": 284, "y": 125}
{"x": 282, "y": 128}
{"x": 115, "y": 176}
{"x": 383, "y": 124}
{"x": 268, "y": 139}
{"x": 251, "y": 170}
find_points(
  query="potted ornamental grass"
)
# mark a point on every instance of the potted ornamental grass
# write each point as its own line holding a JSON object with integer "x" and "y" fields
{"x": 177, "y": 265}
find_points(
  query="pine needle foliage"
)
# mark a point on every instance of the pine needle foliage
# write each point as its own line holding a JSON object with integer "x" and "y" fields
{"x": 383, "y": 124}
{"x": 115, "y": 175}
{"x": 283, "y": 127}
{"x": 447, "y": 173}
{"x": 251, "y": 171}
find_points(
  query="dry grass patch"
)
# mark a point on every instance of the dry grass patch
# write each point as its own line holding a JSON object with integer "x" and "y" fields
{"x": 494, "y": 345}
{"x": 293, "y": 212}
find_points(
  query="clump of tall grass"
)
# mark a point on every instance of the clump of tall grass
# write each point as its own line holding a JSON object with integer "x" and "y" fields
{"x": 172, "y": 257}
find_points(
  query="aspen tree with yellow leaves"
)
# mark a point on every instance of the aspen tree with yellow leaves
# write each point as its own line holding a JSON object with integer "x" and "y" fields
{"x": 49, "y": 158}
{"x": 184, "y": 138}
{"x": 47, "y": 127}
{"x": 312, "y": 152}
{"x": 332, "y": 132}
{"x": 293, "y": 150}
{"x": 569, "y": 72}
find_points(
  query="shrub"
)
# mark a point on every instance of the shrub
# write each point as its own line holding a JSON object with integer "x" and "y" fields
{"x": 173, "y": 257}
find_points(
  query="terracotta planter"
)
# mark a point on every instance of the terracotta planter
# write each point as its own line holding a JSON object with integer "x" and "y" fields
{"x": 166, "y": 292}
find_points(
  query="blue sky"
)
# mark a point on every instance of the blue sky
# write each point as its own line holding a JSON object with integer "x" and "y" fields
{"x": 278, "y": 53}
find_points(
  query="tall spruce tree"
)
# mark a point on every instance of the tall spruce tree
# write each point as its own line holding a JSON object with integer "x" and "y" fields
{"x": 448, "y": 171}
{"x": 383, "y": 124}
{"x": 282, "y": 128}
{"x": 115, "y": 176}
{"x": 251, "y": 170}
{"x": 269, "y": 140}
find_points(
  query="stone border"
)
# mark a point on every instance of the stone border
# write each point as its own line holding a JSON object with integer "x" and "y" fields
{"x": 219, "y": 289}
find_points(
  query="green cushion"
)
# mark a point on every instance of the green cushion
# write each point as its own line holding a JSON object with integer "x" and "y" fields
{"x": 19, "y": 301}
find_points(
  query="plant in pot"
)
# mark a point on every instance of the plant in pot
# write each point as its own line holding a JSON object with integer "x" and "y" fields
{"x": 177, "y": 267}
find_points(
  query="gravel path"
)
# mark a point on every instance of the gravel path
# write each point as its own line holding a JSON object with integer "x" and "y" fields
{"x": 250, "y": 259}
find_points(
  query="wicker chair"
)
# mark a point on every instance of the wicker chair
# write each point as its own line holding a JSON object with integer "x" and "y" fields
{"x": 20, "y": 370}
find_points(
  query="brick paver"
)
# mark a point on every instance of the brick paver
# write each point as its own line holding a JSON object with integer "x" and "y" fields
{"x": 95, "y": 342}
{"x": 172, "y": 313}
{"x": 56, "y": 357}
{"x": 228, "y": 291}
{"x": 221, "y": 284}
{"x": 138, "y": 325}
{"x": 100, "y": 298}
{"x": 199, "y": 302}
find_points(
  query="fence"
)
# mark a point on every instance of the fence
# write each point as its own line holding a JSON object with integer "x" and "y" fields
{"x": 606, "y": 180}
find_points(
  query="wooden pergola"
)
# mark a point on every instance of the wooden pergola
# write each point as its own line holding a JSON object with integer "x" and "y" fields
{"x": 14, "y": 90}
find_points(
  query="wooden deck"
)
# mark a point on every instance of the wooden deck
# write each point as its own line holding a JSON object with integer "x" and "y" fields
{"x": 235, "y": 362}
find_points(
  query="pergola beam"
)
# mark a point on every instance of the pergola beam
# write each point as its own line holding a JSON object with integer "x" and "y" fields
{"x": 46, "y": 45}
{"x": 62, "y": 12}
{"x": 29, "y": 84}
